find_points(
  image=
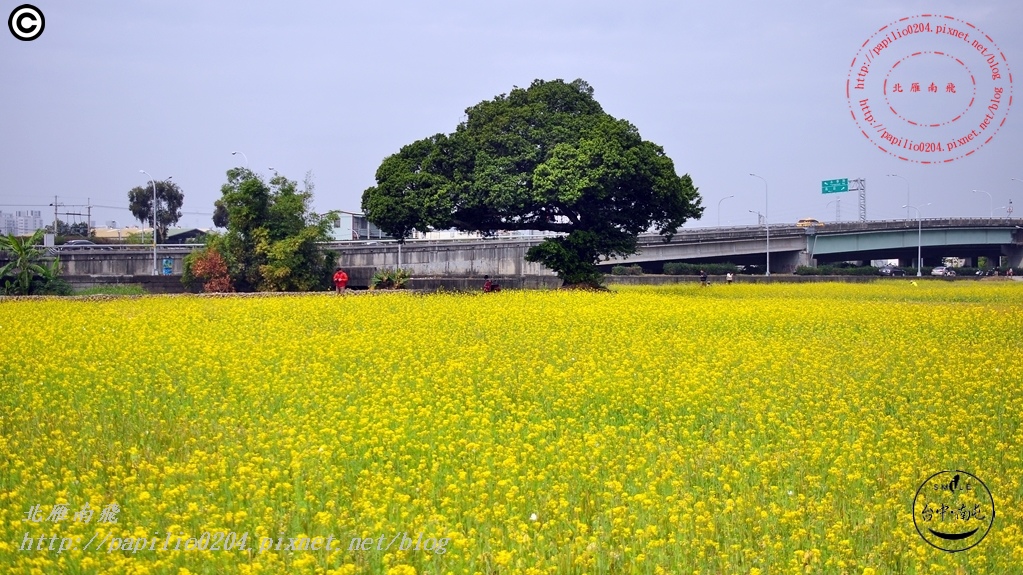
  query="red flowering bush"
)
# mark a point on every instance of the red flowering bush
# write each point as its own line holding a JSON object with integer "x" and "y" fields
{"x": 211, "y": 268}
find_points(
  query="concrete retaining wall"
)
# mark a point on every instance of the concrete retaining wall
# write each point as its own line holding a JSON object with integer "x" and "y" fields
{"x": 150, "y": 283}
{"x": 476, "y": 283}
{"x": 123, "y": 263}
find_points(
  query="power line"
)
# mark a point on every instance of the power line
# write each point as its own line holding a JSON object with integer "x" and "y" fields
{"x": 92, "y": 205}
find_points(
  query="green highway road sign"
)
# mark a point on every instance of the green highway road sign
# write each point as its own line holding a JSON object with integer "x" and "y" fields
{"x": 833, "y": 186}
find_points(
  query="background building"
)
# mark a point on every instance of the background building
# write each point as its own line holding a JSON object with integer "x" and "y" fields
{"x": 8, "y": 224}
{"x": 351, "y": 226}
{"x": 21, "y": 223}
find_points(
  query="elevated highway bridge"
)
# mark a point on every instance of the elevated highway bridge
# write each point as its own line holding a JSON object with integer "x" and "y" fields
{"x": 791, "y": 246}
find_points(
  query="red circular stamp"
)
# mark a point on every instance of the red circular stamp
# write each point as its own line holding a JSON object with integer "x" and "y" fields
{"x": 929, "y": 89}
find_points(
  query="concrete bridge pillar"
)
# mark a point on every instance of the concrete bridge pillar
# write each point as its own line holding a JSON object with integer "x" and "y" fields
{"x": 787, "y": 262}
{"x": 992, "y": 258}
{"x": 1013, "y": 256}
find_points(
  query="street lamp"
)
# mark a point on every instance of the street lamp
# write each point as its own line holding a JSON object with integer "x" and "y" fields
{"x": 990, "y": 202}
{"x": 838, "y": 209}
{"x": 760, "y": 216}
{"x": 155, "y": 267}
{"x": 244, "y": 156}
{"x": 719, "y": 208}
{"x": 767, "y": 223}
{"x": 1010, "y": 201}
{"x": 154, "y": 218}
{"x": 907, "y": 190}
{"x": 919, "y": 238}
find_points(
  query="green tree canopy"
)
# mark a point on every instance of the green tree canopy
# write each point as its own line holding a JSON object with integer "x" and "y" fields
{"x": 272, "y": 235}
{"x": 70, "y": 229}
{"x": 543, "y": 158}
{"x": 169, "y": 199}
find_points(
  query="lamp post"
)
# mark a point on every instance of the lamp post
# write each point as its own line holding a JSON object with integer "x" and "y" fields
{"x": 155, "y": 267}
{"x": 838, "y": 209}
{"x": 767, "y": 223}
{"x": 154, "y": 218}
{"x": 919, "y": 238}
{"x": 760, "y": 216}
{"x": 907, "y": 190}
{"x": 719, "y": 208}
{"x": 234, "y": 153}
{"x": 990, "y": 202}
{"x": 1010, "y": 201}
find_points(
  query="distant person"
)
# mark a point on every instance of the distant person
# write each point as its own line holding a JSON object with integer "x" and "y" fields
{"x": 703, "y": 278}
{"x": 340, "y": 280}
{"x": 489, "y": 285}
{"x": 1009, "y": 273}
{"x": 728, "y": 278}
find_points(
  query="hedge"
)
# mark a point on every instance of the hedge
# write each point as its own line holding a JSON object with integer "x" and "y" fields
{"x": 687, "y": 269}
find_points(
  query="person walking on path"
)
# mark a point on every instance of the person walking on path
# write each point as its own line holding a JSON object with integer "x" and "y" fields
{"x": 340, "y": 280}
{"x": 703, "y": 278}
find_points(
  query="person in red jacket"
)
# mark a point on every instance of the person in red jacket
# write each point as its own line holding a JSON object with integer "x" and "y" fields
{"x": 490, "y": 285}
{"x": 340, "y": 280}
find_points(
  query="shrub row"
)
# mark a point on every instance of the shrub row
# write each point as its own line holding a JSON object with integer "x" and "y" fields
{"x": 827, "y": 270}
{"x": 633, "y": 270}
{"x": 687, "y": 269}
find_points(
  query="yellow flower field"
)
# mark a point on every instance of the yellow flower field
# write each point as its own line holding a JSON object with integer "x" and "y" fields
{"x": 735, "y": 429}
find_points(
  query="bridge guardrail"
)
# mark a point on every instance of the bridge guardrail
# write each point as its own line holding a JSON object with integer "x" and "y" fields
{"x": 91, "y": 249}
{"x": 778, "y": 230}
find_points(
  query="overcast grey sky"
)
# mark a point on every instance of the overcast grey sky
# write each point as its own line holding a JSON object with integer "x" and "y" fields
{"x": 727, "y": 88}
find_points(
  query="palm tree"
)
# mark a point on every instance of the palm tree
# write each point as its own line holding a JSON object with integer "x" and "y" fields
{"x": 24, "y": 266}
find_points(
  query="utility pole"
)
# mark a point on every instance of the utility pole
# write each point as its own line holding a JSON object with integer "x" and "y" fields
{"x": 56, "y": 213}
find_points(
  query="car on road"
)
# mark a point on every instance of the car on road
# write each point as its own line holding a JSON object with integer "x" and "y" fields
{"x": 891, "y": 271}
{"x": 944, "y": 271}
{"x": 809, "y": 223}
{"x": 78, "y": 245}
